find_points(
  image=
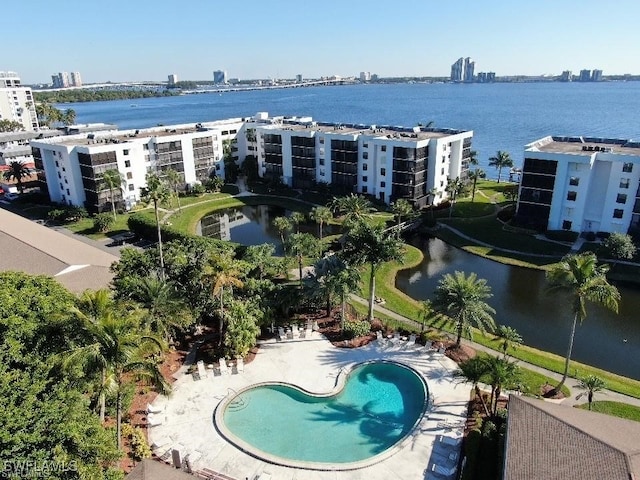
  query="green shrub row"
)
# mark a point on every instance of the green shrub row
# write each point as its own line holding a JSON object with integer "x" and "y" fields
{"x": 356, "y": 328}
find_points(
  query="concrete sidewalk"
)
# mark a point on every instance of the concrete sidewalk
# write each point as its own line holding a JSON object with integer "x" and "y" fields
{"x": 571, "y": 383}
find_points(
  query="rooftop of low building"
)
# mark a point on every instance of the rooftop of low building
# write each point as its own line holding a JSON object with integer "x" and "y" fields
{"x": 584, "y": 145}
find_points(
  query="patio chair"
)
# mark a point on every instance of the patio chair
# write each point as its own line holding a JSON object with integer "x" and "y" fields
{"x": 379, "y": 336}
{"x": 155, "y": 409}
{"x": 412, "y": 340}
{"x": 454, "y": 441}
{"x": 281, "y": 334}
{"x": 154, "y": 420}
{"x": 240, "y": 364}
{"x": 443, "y": 471}
{"x": 224, "y": 369}
{"x": 202, "y": 371}
{"x": 295, "y": 333}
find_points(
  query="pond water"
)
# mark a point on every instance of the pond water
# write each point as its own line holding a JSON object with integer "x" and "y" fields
{"x": 604, "y": 340}
{"x": 252, "y": 225}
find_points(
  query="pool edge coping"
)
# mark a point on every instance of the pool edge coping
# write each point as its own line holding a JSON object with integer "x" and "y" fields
{"x": 343, "y": 374}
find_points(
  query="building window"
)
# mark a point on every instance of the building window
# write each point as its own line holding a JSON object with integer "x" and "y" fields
{"x": 624, "y": 183}
{"x": 383, "y": 148}
{"x": 383, "y": 172}
{"x": 617, "y": 213}
{"x": 57, "y": 163}
{"x": 125, "y": 152}
{"x": 131, "y": 187}
{"x": 365, "y": 178}
{"x": 225, "y": 132}
{"x": 383, "y": 184}
{"x": 365, "y": 155}
{"x": 444, "y": 158}
{"x": 572, "y": 195}
{"x": 574, "y": 181}
{"x": 68, "y": 192}
{"x": 365, "y": 167}
{"x": 365, "y": 145}
{"x": 129, "y": 175}
{"x": 364, "y": 189}
{"x": 127, "y": 164}
{"x": 59, "y": 175}
{"x": 233, "y": 131}
{"x": 621, "y": 198}
{"x": 322, "y": 172}
{"x": 322, "y": 161}
{"x": 566, "y": 225}
{"x": 442, "y": 171}
{"x": 627, "y": 167}
{"x": 64, "y": 169}
{"x": 322, "y": 140}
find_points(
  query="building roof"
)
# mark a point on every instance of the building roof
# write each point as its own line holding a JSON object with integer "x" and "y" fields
{"x": 584, "y": 145}
{"x": 154, "y": 470}
{"x": 38, "y": 250}
{"x": 550, "y": 441}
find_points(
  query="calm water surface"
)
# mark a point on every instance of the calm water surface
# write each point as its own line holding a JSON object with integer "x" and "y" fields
{"x": 543, "y": 320}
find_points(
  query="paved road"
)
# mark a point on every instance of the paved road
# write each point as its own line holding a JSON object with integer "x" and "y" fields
{"x": 571, "y": 383}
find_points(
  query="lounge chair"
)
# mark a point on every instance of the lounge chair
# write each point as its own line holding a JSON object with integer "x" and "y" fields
{"x": 295, "y": 333}
{"x": 412, "y": 340}
{"x": 379, "y": 336}
{"x": 224, "y": 369}
{"x": 454, "y": 441}
{"x": 442, "y": 350}
{"x": 281, "y": 334}
{"x": 154, "y": 409}
{"x": 443, "y": 471}
{"x": 202, "y": 371}
{"x": 154, "y": 420}
{"x": 240, "y": 364}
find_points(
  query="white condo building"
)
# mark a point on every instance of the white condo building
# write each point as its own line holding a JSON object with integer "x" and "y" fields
{"x": 383, "y": 161}
{"x": 16, "y": 102}
{"x": 580, "y": 184}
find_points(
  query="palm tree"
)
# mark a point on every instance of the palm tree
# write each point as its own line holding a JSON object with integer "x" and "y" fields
{"x": 462, "y": 298}
{"x": 321, "y": 215}
{"x": 225, "y": 273}
{"x": 473, "y": 157}
{"x": 260, "y": 257}
{"x": 301, "y": 245}
{"x": 113, "y": 179}
{"x": 371, "y": 244}
{"x": 476, "y": 175}
{"x": 166, "y": 311}
{"x": 116, "y": 349}
{"x": 296, "y": 219}
{"x": 402, "y": 208}
{"x": 174, "y": 179}
{"x": 426, "y": 313}
{"x": 341, "y": 279}
{"x": 282, "y": 224}
{"x": 472, "y": 371}
{"x": 500, "y": 373}
{"x": 454, "y": 188}
{"x": 582, "y": 279}
{"x": 591, "y": 385}
{"x": 47, "y": 114}
{"x": 68, "y": 117}
{"x": 157, "y": 192}
{"x": 501, "y": 160}
{"x": 508, "y": 338}
{"x": 18, "y": 171}
{"x": 353, "y": 207}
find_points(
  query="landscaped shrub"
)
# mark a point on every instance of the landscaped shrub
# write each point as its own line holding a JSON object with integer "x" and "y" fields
{"x": 103, "y": 222}
{"x": 562, "y": 235}
{"x": 376, "y": 325}
{"x": 356, "y": 329}
{"x": 137, "y": 441}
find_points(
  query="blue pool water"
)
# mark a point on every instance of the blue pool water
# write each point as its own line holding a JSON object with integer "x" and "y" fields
{"x": 378, "y": 406}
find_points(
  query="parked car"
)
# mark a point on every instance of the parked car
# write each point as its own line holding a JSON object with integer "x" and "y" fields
{"x": 10, "y": 196}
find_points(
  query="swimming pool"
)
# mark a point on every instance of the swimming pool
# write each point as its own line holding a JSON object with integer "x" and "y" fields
{"x": 377, "y": 404}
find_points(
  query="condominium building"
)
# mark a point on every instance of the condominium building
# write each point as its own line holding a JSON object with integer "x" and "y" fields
{"x": 71, "y": 167}
{"x": 16, "y": 102}
{"x": 172, "y": 80}
{"x": 76, "y": 79}
{"x": 580, "y": 184}
{"x": 220, "y": 76}
{"x": 65, "y": 80}
{"x": 384, "y": 161}
{"x": 463, "y": 70}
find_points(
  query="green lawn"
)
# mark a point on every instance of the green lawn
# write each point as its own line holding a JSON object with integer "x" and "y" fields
{"x": 617, "y": 409}
{"x": 85, "y": 227}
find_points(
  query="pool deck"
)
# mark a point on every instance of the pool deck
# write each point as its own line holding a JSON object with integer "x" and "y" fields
{"x": 313, "y": 364}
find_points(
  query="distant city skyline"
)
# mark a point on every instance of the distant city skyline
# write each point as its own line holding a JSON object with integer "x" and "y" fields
{"x": 147, "y": 40}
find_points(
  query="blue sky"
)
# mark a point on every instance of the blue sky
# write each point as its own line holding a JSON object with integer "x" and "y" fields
{"x": 121, "y": 40}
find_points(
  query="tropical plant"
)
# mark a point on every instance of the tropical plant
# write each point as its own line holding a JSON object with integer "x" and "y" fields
{"x": 102, "y": 222}
{"x": 321, "y": 215}
{"x": 357, "y": 328}
{"x": 47, "y": 114}
{"x": 336, "y": 278}
{"x": 402, "y": 208}
{"x": 231, "y": 168}
{"x": 260, "y": 257}
{"x": 282, "y": 224}
{"x": 115, "y": 349}
{"x": 296, "y": 218}
{"x": 175, "y": 180}
{"x": 501, "y": 160}
{"x": 242, "y": 328}
{"x": 508, "y": 337}
{"x": 370, "y": 244}
{"x": 68, "y": 117}
{"x": 156, "y": 192}
{"x": 300, "y": 245}
{"x": 10, "y": 126}
{"x": 18, "y": 171}
{"x": 619, "y": 246}
{"x": 476, "y": 175}
{"x": 472, "y": 371}
{"x": 463, "y": 298}
{"x": 473, "y": 157}
{"x": 352, "y": 208}
{"x": 426, "y": 313}
{"x": 582, "y": 280}
{"x": 500, "y": 373}
{"x": 223, "y": 273}
{"x": 591, "y": 384}
{"x": 454, "y": 187}
{"x": 113, "y": 180}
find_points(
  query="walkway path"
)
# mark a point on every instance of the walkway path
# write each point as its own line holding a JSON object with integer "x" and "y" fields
{"x": 571, "y": 382}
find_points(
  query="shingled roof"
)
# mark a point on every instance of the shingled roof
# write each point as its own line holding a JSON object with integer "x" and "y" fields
{"x": 153, "y": 470}
{"x": 550, "y": 441}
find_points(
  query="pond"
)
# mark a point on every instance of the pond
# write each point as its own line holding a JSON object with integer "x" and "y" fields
{"x": 604, "y": 340}
{"x": 253, "y": 225}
